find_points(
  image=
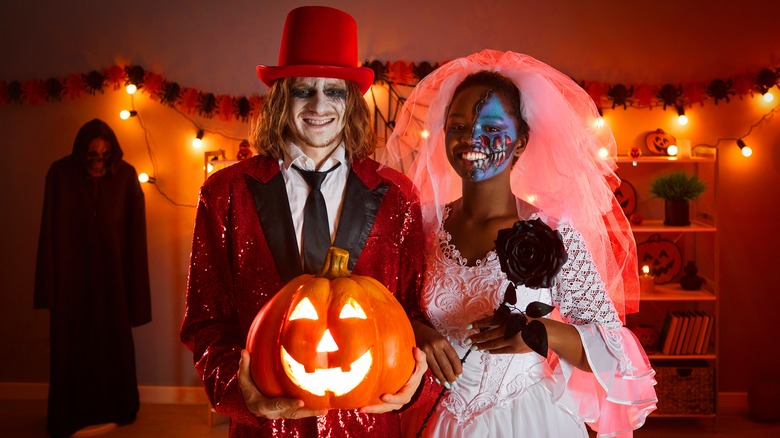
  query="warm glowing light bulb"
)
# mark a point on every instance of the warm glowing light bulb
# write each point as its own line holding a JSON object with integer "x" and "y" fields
{"x": 425, "y": 133}
{"x": 143, "y": 177}
{"x": 645, "y": 269}
{"x": 672, "y": 150}
{"x": 744, "y": 148}
{"x": 682, "y": 119}
{"x": 603, "y": 153}
{"x": 131, "y": 89}
{"x": 198, "y": 140}
{"x": 599, "y": 122}
{"x": 124, "y": 114}
{"x": 768, "y": 97}
{"x": 209, "y": 168}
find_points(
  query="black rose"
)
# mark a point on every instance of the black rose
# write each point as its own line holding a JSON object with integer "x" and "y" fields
{"x": 531, "y": 253}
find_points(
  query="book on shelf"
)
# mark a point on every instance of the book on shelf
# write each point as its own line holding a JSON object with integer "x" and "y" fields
{"x": 686, "y": 332}
{"x": 704, "y": 342}
{"x": 675, "y": 328}
{"x": 681, "y": 336}
{"x": 693, "y": 333}
{"x": 667, "y": 332}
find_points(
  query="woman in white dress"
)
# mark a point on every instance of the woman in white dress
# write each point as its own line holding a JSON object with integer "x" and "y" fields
{"x": 489, "y": 140}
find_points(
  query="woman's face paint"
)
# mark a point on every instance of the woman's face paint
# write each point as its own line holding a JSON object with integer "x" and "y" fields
{"x": 480, "y": 134}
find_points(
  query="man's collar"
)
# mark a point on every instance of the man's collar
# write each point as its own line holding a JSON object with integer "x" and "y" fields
{"x": 294, "y": 155}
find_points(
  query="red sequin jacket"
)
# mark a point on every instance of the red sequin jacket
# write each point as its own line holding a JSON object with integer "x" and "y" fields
{"x": 243, "y": 232}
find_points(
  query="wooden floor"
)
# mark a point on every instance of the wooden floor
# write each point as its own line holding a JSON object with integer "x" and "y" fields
{"x": 27, "y": 419}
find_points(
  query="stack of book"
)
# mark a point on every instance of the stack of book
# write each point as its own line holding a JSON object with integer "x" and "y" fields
{"x": 686, "y": 332}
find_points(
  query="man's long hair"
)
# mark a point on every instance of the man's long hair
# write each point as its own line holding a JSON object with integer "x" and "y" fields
{"x": 272, "y": 125}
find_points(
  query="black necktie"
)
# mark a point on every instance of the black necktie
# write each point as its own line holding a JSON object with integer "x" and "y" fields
{"x": 316, "y": 228}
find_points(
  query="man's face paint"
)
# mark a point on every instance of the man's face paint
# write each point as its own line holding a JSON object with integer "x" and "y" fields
{"x": 480, "y": 134}
{"x": 318, "y": 112}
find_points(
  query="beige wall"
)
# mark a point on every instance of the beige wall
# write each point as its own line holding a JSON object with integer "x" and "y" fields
{"x": 214, "y": 48}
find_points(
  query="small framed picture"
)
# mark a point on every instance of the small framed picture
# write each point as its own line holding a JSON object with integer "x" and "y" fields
{"x": 626, "y": 197}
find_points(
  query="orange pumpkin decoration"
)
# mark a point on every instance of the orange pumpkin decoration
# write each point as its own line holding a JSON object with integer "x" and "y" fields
{"x": 333, "y": 340}
{"x": 658, "y": 141}
{"x": 663, "y": 256}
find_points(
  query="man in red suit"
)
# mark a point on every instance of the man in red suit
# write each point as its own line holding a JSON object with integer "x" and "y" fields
{"x": 252, "y": 227}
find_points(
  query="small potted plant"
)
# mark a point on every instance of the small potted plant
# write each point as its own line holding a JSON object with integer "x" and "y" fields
{"x": 677, "y": 189}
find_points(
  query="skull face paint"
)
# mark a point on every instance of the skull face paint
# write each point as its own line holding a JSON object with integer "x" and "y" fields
{"x": 98, "y": 157}
{"x": 480, "y": 134}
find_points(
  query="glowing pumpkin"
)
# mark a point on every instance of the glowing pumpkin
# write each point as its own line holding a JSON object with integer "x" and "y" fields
{"x": 333, "y": 340}
{"x": 663, "y": 256}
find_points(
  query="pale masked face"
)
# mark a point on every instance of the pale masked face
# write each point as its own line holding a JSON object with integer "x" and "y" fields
{"x": 317, "y": 112}
{"x": 98, "y": 157}
{"x": 480, "y": 134}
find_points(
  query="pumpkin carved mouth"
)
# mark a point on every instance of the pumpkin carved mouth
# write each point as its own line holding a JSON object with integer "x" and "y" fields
{"x": 325, "y": 380}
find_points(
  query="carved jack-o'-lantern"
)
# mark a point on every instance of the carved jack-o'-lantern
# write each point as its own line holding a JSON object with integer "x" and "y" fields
{"x": 635, "y": 152}
{"x": 662, "y": 256}
{"x": 658, "y": 141}
{"x": 333, "y": 340}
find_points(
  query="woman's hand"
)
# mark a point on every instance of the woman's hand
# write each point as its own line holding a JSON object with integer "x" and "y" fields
{"x": 271, "y": 408}
{"x": 396, "y": 401}
{"x": 563, "y": 339}
{"x": 443, "y": 360}
{"x": 490, "y": 338}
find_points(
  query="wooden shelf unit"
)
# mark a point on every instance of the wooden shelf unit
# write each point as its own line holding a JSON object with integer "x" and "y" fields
{"x": 697, "y": 242}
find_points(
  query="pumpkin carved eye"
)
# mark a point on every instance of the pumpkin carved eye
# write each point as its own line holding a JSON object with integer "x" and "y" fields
{"x": 352, "y": 310}
{"x": 304, "y": 310}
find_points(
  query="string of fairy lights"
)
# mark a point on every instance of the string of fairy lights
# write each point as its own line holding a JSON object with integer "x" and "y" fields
{"x": 189, "y": 102}
{"x": 389, "y": 122}
{"x": 745, "y": 150}
{"x": 672, "y": 150}
{"x": 197, "y": 143}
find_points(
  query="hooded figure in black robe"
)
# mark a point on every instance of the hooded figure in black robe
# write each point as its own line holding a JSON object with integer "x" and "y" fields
{"x": 93, "y": 276}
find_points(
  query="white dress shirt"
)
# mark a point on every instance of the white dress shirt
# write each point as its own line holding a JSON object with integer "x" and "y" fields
{"x": 298, "y": 190}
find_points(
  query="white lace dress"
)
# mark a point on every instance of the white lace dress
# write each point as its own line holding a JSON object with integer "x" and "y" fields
{"x": 526, "y": 395}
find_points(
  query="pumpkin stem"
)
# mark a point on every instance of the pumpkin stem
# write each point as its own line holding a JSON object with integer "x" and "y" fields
{"x": 336, "y": 262}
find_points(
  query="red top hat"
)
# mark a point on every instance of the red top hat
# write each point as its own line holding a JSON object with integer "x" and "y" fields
{"x": 318, "y": 41}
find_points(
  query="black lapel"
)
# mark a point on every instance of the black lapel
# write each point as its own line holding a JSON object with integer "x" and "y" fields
{"x": 273, "y": 209}
{"x": 357, "y": 216}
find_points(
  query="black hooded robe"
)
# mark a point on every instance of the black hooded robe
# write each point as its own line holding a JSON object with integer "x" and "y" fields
{"x": 92, "y": 274}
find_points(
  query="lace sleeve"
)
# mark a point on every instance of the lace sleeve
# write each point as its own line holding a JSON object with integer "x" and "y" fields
{"x": 617, "y": 394}
{"x": 580, "y": 293}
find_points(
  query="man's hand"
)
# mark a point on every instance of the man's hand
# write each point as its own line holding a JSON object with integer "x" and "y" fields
{"x": 396, "y": 401}
{"x": 271, "y": 408}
